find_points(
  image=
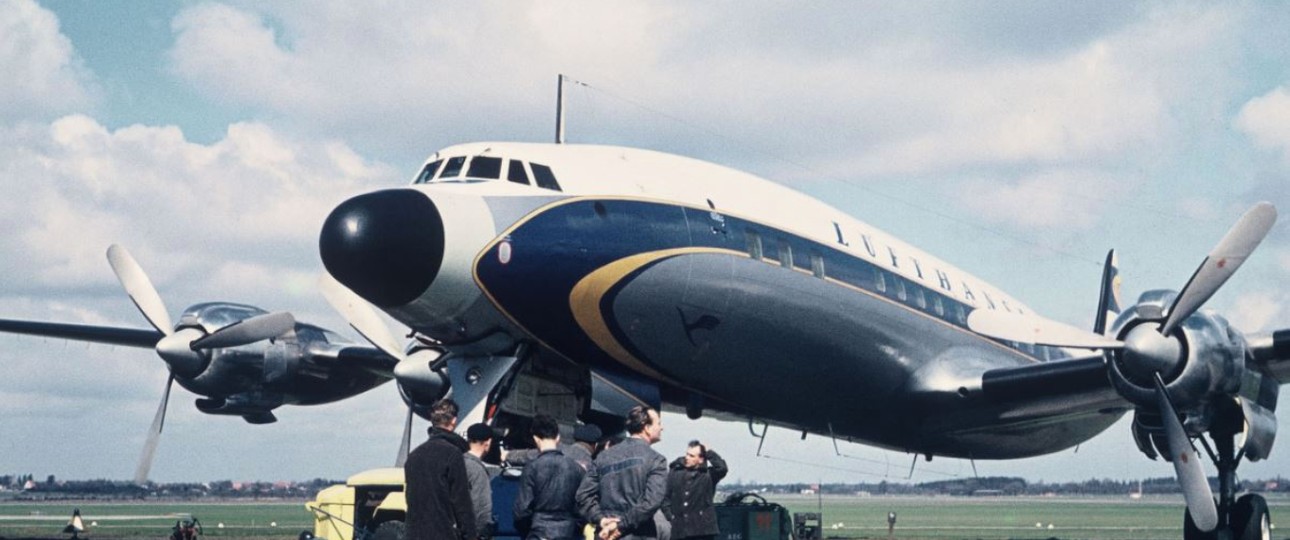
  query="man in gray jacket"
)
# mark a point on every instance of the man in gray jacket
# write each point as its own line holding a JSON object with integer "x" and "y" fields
{"x": 627, "y": 483}
{"x": 480, "y": 438}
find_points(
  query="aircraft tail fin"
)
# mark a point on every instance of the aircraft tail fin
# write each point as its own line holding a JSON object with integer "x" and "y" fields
{"x": 1108, "y": 305}
{"x": 75, "y": 525}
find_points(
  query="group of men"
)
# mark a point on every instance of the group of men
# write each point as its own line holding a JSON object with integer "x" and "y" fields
{"x": 617, "y": 489}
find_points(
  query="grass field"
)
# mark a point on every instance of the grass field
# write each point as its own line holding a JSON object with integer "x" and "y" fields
{"x": 248, "y": 520}
{"x": 844, "y": 517}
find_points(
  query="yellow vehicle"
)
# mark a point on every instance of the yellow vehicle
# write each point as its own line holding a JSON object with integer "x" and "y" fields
{"x": 371, "y": 506}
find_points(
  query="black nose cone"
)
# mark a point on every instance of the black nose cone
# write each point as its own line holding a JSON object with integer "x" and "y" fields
{"x": 386, "y": 246}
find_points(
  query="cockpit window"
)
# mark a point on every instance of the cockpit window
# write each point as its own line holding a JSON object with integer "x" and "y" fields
{"x": 545, "y": 178}
{"x": 428, "y": 172}
{"x": 452, "y": 168}
{"x": 515, "y": 172}
{"x": 485, "y": 167}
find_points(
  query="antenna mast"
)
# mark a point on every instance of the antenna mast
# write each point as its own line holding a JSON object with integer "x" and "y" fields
{"x": 559, "y": 110}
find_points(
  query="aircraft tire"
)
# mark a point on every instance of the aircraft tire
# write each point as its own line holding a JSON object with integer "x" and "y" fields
{"x": 390, "y": 530}
{"x": 1250, "y": 519}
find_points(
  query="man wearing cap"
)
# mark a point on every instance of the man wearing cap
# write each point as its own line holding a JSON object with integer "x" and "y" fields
{"x": 545, "y": 505}
{"x": 480, "y": 438}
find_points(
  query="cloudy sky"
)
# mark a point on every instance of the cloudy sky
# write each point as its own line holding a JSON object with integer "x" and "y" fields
{"x": 1017, "y": 140}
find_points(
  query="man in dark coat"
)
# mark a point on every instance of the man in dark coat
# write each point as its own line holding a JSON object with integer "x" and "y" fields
{"x": 545, "y": 505}
{"x": 627, "y": 484}
{"x": 438, "y": 492}
{"x": 691, "y": 485}
{"x": 585, "y": 438}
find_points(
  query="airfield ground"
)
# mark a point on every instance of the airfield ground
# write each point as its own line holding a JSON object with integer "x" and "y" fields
{"x": 844, "y": 517}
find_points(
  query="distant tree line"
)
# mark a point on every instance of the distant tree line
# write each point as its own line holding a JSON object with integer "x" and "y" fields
{"x": 1003, "y": 485}
{"x": 25, "y": 487}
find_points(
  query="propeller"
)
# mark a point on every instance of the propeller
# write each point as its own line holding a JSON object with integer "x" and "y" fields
{"x": 360, "y": 316}
{"x": 1187, "y": 464}
{"x": 154, "y": 436}
{"x": 406, "y": 445}
{"x": 1146, "y": 351}
{"x": 1222, "y": 262}
{"x": 140, "y": 288}
{"x": 1214, "y": 271}
{"x": 247, "y": 331}
{"x": 1035, "y": 329}
{"x": 412, "y": 374}
{"x": 179, "y": 348}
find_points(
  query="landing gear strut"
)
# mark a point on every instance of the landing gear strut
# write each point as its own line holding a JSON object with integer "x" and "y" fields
{"x": 1244, "y": 518}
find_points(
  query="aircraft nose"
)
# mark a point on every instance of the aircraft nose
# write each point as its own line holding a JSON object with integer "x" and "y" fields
{"x": 387, "y": 246}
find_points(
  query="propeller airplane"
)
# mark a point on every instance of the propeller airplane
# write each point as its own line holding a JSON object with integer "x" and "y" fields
{"x": 577, "y": 280}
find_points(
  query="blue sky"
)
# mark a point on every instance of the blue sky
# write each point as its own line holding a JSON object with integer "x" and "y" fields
{"x": 1017, "y": 140}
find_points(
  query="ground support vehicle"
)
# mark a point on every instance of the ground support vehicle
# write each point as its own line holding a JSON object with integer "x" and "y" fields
{"x": 371, "y": 506}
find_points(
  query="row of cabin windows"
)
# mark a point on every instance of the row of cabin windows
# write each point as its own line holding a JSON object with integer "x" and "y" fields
{"x": 893, "y": 286}
{"x": 477, "y": 168}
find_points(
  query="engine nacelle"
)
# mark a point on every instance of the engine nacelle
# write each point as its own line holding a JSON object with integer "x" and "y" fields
{"x": 1202, "y": 360}
{"x": 420, "y": 382}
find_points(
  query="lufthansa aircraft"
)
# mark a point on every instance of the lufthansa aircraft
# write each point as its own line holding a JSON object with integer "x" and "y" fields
{"x": 578, "y": 280}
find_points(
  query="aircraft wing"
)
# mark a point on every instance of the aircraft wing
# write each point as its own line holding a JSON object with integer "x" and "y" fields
{"x": 129, "y": 337}
{"x": 1032, "y": 396}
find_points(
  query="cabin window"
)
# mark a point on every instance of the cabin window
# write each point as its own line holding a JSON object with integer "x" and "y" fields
{"x": 453, "y": 167}
{"x": 900, "y": 289}
{"x": 879, "y": 280}
{"x": 785, "y": 254}
{"x": 545, "y": 178}
{"x": 485, "y": 167}
{"x": 817, "y": 265}
{"x": 959, "y": 314}
{"x": 428, "y": 172}
{"x": 754, "y": 244}
{"x": 515, "y": 172}
{"x": 938, "y": 305}
{"x": 920, "y": 298}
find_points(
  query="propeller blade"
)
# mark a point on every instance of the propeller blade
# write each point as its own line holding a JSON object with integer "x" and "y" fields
{"x": 140, "y": 288}
{"x": 1222, "y": 262}
{"x": 247, "y": 331}
{"x": 361, "y": 316}
{"x": 1038, "y": 330}
{"x": 154, "y": 436}
{"x": 1187, "y": 465}
{"x": 406, "y": 445}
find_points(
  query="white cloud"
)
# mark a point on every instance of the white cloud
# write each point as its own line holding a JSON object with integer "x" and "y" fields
{"x": 1256, "y": 311}
{"x": 1266, "y": 120}
{"x": 418, "y": 76}
{"x": 77, "y": 187}
{"x": 42, "y": 74}
{"x": 1060, "y": 199}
